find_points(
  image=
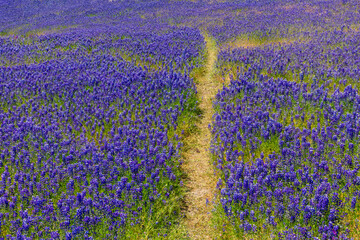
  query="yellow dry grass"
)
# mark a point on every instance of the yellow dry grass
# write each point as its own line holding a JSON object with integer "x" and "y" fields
{"x": 248, "y": 43}
{"x": 201, "y": 181}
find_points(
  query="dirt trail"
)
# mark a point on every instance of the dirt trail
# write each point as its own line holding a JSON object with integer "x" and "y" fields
{"x": 197, "y": 164}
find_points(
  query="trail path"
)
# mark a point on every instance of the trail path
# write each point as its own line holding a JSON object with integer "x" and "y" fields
{"x": 197, "y": 164}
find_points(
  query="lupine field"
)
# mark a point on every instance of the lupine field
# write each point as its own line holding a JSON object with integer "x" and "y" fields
{"x": 98, "y": 99}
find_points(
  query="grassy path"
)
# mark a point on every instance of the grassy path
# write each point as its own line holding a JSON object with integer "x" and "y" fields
{"x": 201, "y": 180}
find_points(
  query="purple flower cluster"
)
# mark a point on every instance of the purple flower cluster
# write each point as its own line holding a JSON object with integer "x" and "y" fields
{"x": 86, "y": 143}
{"x": 330, "y": 56}
{"x": 88, "y": 122}
{"x": 289, "y": 20}
{"x": 178, "y": 49}
{"x": 288, "y": 155}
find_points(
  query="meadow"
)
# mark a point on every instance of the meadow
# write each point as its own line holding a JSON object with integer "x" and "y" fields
{"x": 179, "y": 119}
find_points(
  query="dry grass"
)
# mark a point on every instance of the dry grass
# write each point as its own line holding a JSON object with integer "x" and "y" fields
{"x": 352, "y": 222}
{"x": 47, "y": 31}
{"x": 249, "y": 43}
{"x": 201, "y": 181}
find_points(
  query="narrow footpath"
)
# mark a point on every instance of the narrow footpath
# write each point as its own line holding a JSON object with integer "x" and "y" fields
{"x": 197, "y": 163}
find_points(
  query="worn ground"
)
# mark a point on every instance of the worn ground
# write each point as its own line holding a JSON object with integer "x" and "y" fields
{"x": 201, "y": 181}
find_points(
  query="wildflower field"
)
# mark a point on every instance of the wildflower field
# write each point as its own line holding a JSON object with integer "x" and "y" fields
{"x": 164, "y": 119}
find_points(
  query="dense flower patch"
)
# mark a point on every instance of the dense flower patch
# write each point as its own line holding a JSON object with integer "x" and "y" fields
{"x": 286, "y": 130}
{"x": 91, "y": 95}
{"x": 86, "y": 143}
{"x": 88, "y": 127}
{"x": 177, "y": 49}
{"x": 332, "y": 57}
{"x": 288, "y": 156}
{"x": 288, "y": 20}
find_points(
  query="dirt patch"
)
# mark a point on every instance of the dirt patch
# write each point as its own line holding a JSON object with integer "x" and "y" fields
{"x": 197, "y": 164}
